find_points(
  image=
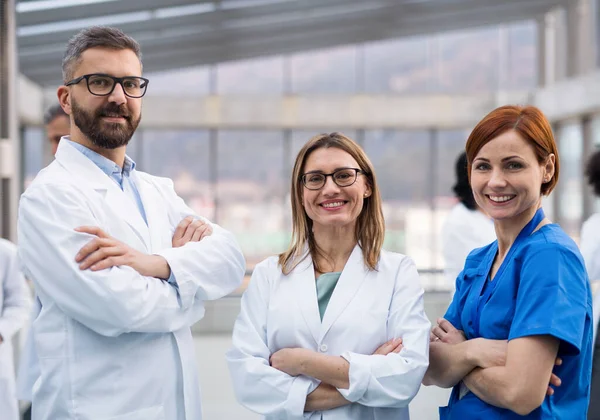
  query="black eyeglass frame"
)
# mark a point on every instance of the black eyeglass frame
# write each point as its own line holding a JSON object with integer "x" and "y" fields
{"x": 357, "y": 171}
{"x": 116, "y": 80}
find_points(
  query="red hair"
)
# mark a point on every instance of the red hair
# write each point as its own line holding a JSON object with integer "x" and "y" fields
{"x": 527, "y": 121}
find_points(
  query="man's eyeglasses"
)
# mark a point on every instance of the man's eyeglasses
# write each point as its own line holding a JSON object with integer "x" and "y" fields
{"x": 103, "y": 84}
{"x": 342, "y": 177}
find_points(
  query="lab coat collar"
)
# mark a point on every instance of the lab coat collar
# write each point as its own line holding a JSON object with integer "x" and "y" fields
{"x": 303, "y": 276}
{"x": 149, "y": 196}
{"x": 86, "y": 173}
{"x": 353, "y": 275}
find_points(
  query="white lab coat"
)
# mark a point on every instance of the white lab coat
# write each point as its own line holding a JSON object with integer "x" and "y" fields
{"x": 14, "y": 308}
{"x": 29, "y": 365}
{"x": 464, "y": 230}
{"x": 367, "y": 308}
{"x": 590, "y": 250}
{"x": 114, "y": 344}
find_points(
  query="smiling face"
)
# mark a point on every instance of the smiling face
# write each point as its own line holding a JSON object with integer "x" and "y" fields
{"x": 332, "y": 205}
{"x": 108, "y": 121}
{"x": 506, "y": 177}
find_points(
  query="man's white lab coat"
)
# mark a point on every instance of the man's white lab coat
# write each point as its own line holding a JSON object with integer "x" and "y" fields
{"x": 114, "y": 344}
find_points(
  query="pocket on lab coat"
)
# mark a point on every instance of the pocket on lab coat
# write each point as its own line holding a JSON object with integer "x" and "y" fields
{"x": 151, "y": 413}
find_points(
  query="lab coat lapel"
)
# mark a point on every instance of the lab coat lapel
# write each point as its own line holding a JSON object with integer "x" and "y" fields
{"x": 90, "y": 176}
{"x": 351, "y": 279}
{"x": 152, "y": 202}
{"x": 305, "y": 295}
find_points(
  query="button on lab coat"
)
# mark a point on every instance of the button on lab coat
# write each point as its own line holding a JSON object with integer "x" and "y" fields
{"x": 367, "y": 308}
{"x": 14, "y": 308}
{"x": 114, "y": 344}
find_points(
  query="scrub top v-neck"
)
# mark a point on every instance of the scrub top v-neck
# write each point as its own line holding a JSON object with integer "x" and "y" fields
{"x": 541, "y": 288}
{"x": 325, "y": 285}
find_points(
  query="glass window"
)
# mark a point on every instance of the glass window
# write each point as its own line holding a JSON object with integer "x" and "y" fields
{"x": 184, "y": 157}
{"x": 250, "y": 191}
{"x": 596, "y": 132}
{"x": 401, "y": 161}
{"x": 135, "y": 148}
{"x": 449, "y": 145}
{"x": 399, "y": 66}
{"x": 596, "y": 146}
{"x": 570, "y": 186}
{"x": 522, "y": 38}
{"x": 183, "y": 82}
{"x": 469, "y": 60}
{"x": 33, "y": 153}
{"x": 324, "y": 71}
{"x": 259, "y": 76}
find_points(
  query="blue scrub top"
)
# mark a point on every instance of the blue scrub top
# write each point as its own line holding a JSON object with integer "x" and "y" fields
{"x": 543, "y": 289}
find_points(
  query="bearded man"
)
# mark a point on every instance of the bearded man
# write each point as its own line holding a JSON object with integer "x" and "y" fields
{"x": 121, "y": 265}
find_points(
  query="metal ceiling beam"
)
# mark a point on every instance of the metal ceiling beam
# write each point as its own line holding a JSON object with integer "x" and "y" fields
{"x": 210, "y": 20}
{"x": 313, "y": 38}
{"x": 166, "y": 43}
{"x": 444, "y": 17}
{"x": 94, "y": 10}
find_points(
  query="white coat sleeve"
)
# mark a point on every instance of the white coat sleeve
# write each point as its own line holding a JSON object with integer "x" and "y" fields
{"x": 17, "y": 298}
{"x": 205, "y": 270}
{"x": 111, "y": 301}
{"x": 393, "y": 380}
{"x": 258, "y": 386}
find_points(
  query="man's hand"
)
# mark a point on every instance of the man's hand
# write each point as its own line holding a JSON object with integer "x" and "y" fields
{"x": 392, "y": 346}
{"x": 190, "y": 230}
{"x": 105, "y": 251}
{"x": 445, "y": 332}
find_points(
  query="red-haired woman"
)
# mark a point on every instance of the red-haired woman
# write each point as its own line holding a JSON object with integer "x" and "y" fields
{"x": 523, "y": 302}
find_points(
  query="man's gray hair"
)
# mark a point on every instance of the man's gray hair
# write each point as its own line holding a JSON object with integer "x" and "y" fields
{"x": 95, "y": 36}
{"x": 53, "y": 112}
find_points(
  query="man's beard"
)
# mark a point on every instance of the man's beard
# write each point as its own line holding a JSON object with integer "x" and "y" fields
{"x": 104, "y": 134}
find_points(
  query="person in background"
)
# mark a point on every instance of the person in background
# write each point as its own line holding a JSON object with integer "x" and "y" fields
{"x": 56, "y": 124}
{"x": 522, "y": 303}
{"x": 14, "y": 307}
{"x": 466, "y": 228}
{"x": 333, "y": 328}
{"x": 590, "y": 249}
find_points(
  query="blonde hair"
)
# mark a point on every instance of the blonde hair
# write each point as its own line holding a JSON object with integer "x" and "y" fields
{"x": 370, "y": 226}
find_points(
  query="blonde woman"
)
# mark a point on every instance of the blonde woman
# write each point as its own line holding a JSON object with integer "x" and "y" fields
{"x": 334, "y": 327}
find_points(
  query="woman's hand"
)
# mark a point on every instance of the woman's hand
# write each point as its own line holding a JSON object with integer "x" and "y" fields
{"x": 554, "y": 380}
{"x": 489, "y": 353}
{"x": 445, "y": 332}
{"x": 290, "y": 361}
{"x": 392, "y": 346}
